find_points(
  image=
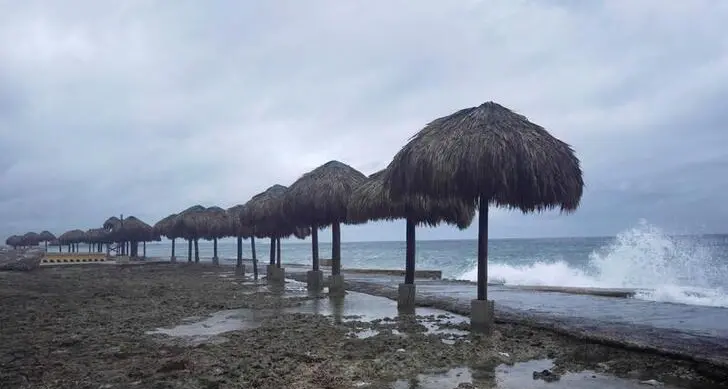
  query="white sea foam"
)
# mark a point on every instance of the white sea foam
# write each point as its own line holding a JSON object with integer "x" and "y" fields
{"x": 665, "y": 269}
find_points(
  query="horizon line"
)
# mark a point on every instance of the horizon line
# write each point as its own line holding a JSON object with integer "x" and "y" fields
{"x": 307, "y": 239}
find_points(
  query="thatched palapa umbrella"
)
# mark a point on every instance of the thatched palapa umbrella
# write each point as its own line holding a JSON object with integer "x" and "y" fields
{"x": 215, "y": 225}
{"x": 319, "y": 199}
{"x": 166, "y": 227}
{"x": 241, "y": 231}
{"x": 489, "y": 155}
{"x": 45, "y": 237}
{"x": 371, "y": 202}
{"x": 133, "y": 230}
{"x": 72, "y": 238}
{"x": 14, "y": 241}
{"x": 263, "y": 213}
{"x": 31, "y": 239}
{"x": 114, "y": 224}
{"x": 96, "y": 238}
{"x": 189, "y": 223}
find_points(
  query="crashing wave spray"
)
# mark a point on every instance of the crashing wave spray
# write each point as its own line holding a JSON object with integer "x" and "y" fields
{"x": 662, "y": 268}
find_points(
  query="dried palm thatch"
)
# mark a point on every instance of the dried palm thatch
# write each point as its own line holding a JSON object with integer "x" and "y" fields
{"x": 263, "y": 212}
{"x": 14, "y": 241}
{"x": 492, "y": 152}
{"x": 166, "y": 227}
{"x": 189, "y": 222}
{"x": 489, "y": 155}
{"x": 131, "y": 229}
{"x": 242, "y": 231}
{"x": 46, "y": 236}
{"x": 371, "y": 202}
{"x": 31, "y": 239}
{"x": 98, "y": 235}
{"x": 72, "y": 237}
{"x": 215, "y": 223}
{"x": 237, "y": 227}
{"x": 321, "y": 196}
{"x": 112, "y": 223}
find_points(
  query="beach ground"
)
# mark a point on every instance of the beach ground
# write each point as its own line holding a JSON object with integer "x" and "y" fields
{"x": 201, "y": 326}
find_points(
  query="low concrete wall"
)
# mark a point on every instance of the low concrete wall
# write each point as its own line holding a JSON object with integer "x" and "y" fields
{"x": 431, "y": 274}
{"x": 602, "y": 292}
{"x": 62, "y": 258}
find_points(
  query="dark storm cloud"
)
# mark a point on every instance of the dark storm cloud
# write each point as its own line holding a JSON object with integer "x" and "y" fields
{"x": 146, "y": 107}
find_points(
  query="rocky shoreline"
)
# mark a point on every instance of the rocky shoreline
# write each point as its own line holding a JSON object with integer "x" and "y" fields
{"x": 91, "y": 326}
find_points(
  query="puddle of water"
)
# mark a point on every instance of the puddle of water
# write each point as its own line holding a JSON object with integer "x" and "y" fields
{"x": 518, "y": 376}
{"x": 368, "y": 333}
{"x": 353, "y": 306}
{"x": 369, "y": 308}
{"x": 196, "y": 329}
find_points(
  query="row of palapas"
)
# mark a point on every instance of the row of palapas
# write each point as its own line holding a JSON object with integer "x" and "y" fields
{"x": 333, "y": 193}
{"x": 472, "y": 158}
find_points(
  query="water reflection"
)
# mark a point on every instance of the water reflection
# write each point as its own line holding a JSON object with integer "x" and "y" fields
{"x": 337, "y": 307}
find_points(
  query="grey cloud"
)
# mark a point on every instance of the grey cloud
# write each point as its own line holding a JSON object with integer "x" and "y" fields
{"x": 146, "y": 108}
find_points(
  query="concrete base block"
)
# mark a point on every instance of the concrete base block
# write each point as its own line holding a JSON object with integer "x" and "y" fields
{"x": 277, "y": 274}
{"x": 315, "y": 280}
{"x": 482, "y": 316}
{"x": 240, "y": 270}
{"x": 406, "y": 297}
{"x": 173, "y": 259}
{"x": 215, "y": 261}
{"x": 336, "y": 285}
{"x": 267, "y": 270}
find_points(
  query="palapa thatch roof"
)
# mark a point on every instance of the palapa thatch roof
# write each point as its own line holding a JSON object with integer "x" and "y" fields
{"x": 321, "y": 196}
{"x": 131, "y": 229}
{"x": 98, "y": 235}
{"x": 46, "y": 236}
{"x": 371, "y": 202}
{"x": 72, "y": 236}
{"x": 237, "y": 227}
{"x": 14, "y": 240}
{"x": 112, "y": 223}
{"x": 188, "y": 222}
{"x": 166, "y": 227}
{"x": 216, "y": 223}
{"x": 263, "y": 212}
{"x": 491, "y": 151}
{"x": 31, "y": 239}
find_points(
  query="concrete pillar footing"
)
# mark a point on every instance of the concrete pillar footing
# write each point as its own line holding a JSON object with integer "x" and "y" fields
{"x": 482, "y": 316}
{"x": 336, "y": 285}
{"x": 406, "y": 297}
{"x": 315, "y": 280}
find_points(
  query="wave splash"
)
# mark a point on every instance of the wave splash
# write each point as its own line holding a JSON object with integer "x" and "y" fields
{"x": 663, "y": 268}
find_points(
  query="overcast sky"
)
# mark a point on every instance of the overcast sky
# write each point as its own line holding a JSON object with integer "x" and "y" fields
{"x": 146, "y": 107}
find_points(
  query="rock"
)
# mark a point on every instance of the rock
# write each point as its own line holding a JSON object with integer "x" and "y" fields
{"x": 21, "y": 259}
{"x": 466, "y": 385}
{"x": 174, "y": 365}
{"x": 546, "y": 375}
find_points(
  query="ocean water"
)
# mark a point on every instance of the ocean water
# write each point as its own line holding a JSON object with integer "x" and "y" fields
{"x": 689, "y": 270}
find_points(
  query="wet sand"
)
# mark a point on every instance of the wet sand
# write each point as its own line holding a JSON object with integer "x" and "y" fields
{"x": 199, "y": 326}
